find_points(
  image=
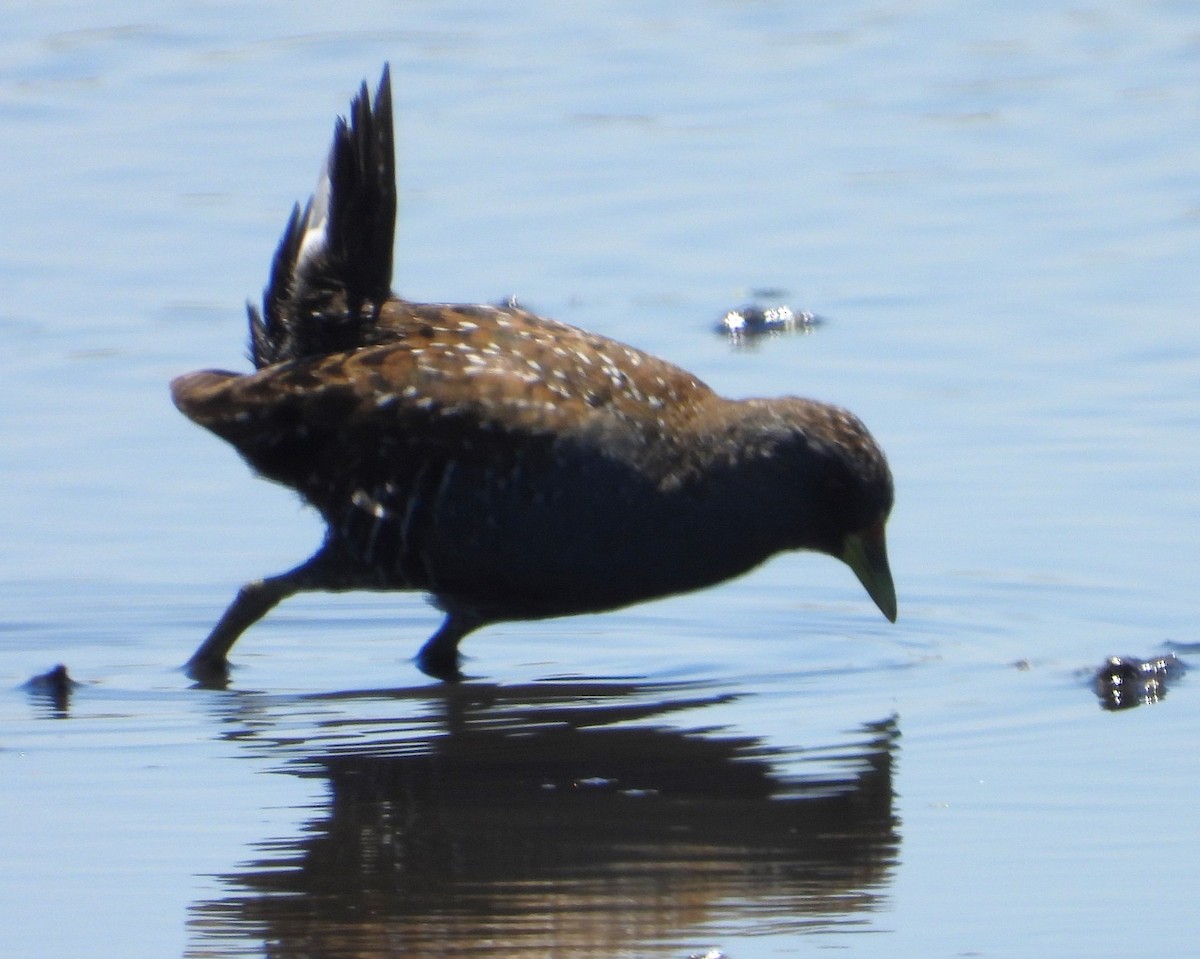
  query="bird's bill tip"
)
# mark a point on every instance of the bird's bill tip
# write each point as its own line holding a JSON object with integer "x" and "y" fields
{"x": 865, "y": 552}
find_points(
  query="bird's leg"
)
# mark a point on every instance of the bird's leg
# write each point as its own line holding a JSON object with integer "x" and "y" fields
{"x": 439, "y": 656}
{"x": 208, "y": 665}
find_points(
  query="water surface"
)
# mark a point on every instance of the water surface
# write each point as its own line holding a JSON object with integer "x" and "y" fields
{"x": 995, "y": 210}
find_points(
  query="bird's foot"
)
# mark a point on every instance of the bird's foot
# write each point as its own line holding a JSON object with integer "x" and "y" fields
{"x": 439, "y": 664}
{"x": 208, "y": 672}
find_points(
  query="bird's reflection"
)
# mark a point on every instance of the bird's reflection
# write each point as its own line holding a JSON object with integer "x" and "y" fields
{"x": 559, "y": 818}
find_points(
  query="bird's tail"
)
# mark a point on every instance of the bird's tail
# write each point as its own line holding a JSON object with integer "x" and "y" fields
{"x": 333, "y": 268}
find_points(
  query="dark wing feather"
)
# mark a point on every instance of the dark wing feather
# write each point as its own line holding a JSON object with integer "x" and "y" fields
{"x": 332, "y": 270}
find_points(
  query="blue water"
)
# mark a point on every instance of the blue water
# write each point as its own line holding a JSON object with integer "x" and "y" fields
{"x": 995, "y": 209}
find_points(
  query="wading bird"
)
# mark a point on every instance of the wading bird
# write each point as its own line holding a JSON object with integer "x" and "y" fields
{"x": 511, "y": 466}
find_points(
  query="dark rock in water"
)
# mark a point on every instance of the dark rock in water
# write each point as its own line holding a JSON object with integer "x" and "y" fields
{"x": 54, "y": 686}
{"x": 752, "y": 321}
{"x": 1127, "y": 681}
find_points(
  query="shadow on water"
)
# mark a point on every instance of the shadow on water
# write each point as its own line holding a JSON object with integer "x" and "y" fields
{"x": 558, "y": 818}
